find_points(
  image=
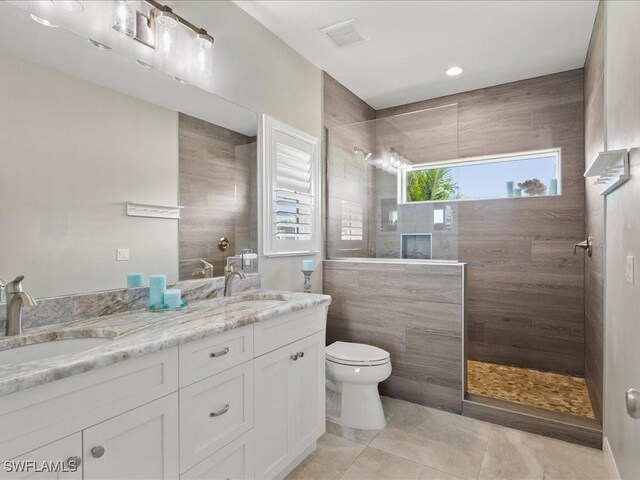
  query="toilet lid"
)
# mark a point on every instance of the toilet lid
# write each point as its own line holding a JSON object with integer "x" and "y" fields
{"x": 356, "y": 354}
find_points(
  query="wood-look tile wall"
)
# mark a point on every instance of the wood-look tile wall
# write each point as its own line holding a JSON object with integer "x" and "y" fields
{"x": 415, "y": 312}
{"x": 594, "y": 220}
{"x": 217, "y": 187}
{"x": 347, "y": 177}
{"x": 525, "y": 287}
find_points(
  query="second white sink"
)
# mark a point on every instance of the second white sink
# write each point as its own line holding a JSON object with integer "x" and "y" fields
{"x": 53, "y": 348}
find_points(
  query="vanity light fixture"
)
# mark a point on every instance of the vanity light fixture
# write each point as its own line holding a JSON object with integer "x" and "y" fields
{"x": 98, "y": 45}
{"x": 42, "y": 21}
{"x": 454, "y": 71}
{"x": 159, "y": 28}
{"x": 73, "y": 6}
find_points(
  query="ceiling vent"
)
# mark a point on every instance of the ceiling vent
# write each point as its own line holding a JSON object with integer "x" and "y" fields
{"x": 345, "y": 33}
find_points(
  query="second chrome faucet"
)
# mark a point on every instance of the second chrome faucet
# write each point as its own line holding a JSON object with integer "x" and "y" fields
{"x": 16, "y": 299}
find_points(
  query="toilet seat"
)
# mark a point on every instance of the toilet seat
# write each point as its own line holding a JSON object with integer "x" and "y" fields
{"x": 356, "y": 354}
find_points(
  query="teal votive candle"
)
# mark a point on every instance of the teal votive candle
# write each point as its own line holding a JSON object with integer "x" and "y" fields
{"x": 553, "y": 186}
{"x": 307, "y": 265}
{"x": 509, "y": 189}
{"x": 172, "y": 298}
{"x": 135, "y": 280}
{"x": 517, "y": 192}
{"x": 157, "y": 287}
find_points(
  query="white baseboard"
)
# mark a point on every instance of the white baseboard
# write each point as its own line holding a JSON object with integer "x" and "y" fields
{"x": 610, "y": 460}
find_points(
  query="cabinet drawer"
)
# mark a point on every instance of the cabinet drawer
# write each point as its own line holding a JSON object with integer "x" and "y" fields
{"x": 235, "y": 461}
{"x": 214, "y": 354}
{"x": 213, "y": 412}
{"x": 42, "y": 414}
{"x": 277, "y": 332}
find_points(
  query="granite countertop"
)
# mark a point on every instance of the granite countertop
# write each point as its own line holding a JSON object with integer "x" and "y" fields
{"x": 141, "y": 332}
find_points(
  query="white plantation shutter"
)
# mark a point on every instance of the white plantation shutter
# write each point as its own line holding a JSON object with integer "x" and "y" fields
{"x": 290, "y": 190}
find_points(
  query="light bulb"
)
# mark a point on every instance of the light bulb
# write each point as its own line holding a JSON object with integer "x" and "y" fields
{"x": 124, "y": 18}
{"x": 166, "y": 33}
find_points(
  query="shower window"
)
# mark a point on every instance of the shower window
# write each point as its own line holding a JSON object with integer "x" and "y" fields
{"x": 352, "y": 221}
{"x": 527, "y": 174}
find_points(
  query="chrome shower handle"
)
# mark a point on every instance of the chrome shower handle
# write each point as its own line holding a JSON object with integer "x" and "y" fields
{"x": 586, "y": 245}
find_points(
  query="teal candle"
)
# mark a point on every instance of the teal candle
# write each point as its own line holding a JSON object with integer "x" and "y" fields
{"x": 135, "y": 280}
{"x": 517, "y": 192}
{"x": 553, "y": 186}
{"x": 172, "y": 298}
{"x": 157, "y": 287}
{"x": 307, "y": 265}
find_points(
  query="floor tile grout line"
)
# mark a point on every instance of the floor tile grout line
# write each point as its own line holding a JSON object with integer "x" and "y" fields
{"x": 486, "y": 449}
{"x": 420, "y": 464}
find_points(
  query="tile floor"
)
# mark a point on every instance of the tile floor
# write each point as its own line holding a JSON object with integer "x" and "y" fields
{"x": 424, "y": 443}
{"x": 551, "y": 391}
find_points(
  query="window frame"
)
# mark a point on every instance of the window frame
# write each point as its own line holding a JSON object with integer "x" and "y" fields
{"x": 485, "y": 159}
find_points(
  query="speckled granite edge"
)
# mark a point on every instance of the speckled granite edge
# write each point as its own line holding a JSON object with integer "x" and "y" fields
{"x": 69, "y": 308}
{"x": 139, "y": 333}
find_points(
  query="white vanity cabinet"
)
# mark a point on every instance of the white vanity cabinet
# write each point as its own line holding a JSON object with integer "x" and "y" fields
{"x": 244, "y": 404}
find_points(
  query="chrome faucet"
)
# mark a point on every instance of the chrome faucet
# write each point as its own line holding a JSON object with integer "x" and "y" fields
{"x": 16, "y": 298}
{"x": 206, "y": 271}
{"x": 229, "y": 273}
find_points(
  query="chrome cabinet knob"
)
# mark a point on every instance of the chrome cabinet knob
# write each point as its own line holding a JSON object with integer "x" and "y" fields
{"x": 97, "y": 451}
{"x": 294, "y": 357}
{"x": 632, "y": 398}
{"x": 73, "y": 463}
{"x": 300, "y": 354}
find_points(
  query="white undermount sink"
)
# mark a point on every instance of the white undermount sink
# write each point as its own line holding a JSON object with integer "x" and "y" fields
{"x": 45, "y": 350}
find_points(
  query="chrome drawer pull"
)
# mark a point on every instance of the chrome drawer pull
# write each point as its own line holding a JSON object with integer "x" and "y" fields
{"x": 220, "y": 353}
{"x": 220, "y": 412}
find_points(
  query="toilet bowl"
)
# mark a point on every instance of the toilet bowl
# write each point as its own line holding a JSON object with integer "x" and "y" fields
{"x": 353, "y": 371}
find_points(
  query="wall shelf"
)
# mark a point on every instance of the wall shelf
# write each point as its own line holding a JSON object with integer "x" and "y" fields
{"x": 610, "y": 169}
{"x": 153, "y": 211}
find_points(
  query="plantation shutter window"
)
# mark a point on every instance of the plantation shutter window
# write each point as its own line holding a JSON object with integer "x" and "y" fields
{"x": 290, "y": 186}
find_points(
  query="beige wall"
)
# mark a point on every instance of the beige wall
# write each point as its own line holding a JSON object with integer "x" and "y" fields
{"x": 257, "y": 70}
{"x": 622, "y": 300}
{"x": 73, "y": 154}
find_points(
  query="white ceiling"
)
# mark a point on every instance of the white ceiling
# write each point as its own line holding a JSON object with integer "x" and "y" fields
{"x": 412, "y": 43}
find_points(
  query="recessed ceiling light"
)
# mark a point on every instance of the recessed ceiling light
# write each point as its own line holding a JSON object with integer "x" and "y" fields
{"x": 42, "y": 21}
{"x": 143, "y": 65}
{"x": 98, "y": 45}
{"x": 69, "y": 5}
{"x": 453, "y": 71}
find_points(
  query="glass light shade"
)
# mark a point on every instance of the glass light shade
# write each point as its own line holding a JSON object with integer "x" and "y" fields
{"x": 124, "y": 18}
{"x": 74, "y": 6}
{"x": 166, "y": 34}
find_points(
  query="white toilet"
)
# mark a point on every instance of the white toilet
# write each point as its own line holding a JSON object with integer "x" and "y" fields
{"x": 353, "y": 372}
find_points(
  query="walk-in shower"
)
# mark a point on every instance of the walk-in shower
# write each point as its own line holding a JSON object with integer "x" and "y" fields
{"x": 419, "y": 187}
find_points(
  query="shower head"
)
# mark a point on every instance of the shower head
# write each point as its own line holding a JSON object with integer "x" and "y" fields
{"x": 366, "y": 155}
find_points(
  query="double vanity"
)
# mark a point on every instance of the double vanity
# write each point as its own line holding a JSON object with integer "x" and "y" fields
{"x": 230, "y": 388}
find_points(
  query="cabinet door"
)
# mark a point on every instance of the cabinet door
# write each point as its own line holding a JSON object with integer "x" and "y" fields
{"x": 289, "y": 389}
{"x": 53, "y": 461}
{"x": 142, "y": 443}
{"x": 273, "y": 403}
{"x": 308, "y": 383}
